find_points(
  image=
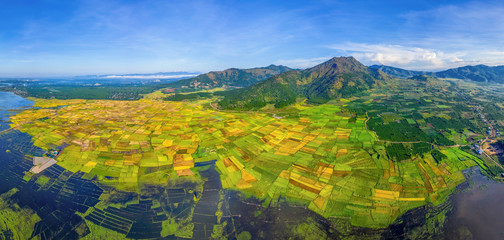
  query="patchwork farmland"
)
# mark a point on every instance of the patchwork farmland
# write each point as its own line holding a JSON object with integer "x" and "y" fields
{"x": 321, "y": 156}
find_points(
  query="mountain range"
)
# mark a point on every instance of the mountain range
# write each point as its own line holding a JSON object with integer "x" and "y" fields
{"x": 232, "y": 77}
{"x": 399, "y": 72}
{"x": 338, "y": 77}
{"x": 335, "y": 78}
{"x": 478, "y": 73}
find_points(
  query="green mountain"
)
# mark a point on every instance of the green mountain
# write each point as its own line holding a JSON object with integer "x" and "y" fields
{"x": 423, "y": 78}
{"x": 338, "y": 77}
{"x": 399, "y": 72}
{"x": 478, "y": 73}
{"x": 232, "y": 77}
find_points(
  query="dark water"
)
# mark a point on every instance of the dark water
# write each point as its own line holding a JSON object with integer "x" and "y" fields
{"x": 204, "y": 217}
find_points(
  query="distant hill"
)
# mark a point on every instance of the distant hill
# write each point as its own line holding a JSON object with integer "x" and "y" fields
{"x": 478, "y": 73}
{"x": 423, "y": 78}
{"x": 233, "y": 77}
{"x": 338, "y": 77}
{"x": 399, "y": 72}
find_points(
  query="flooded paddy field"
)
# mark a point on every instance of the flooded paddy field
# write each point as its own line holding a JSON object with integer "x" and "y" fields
{"x": 472, "y": 212}
{"x": 204, "y": 217}
{"x": 56, "y": 195}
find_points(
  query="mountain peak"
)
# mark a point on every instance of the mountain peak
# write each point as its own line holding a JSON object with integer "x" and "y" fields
{"x": 337, "y": 77}
{"x": 343, "y": 58}
{"x": 280, "y": 68}
{"x": 338, "y": 65}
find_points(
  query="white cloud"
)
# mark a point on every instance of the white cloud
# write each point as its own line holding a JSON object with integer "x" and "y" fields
{"x": 151, "y": 76}
{"x": 401, "y": 56}
{"x": 466, "y": 33}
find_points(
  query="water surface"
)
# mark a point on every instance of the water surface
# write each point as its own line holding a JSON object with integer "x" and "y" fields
{"x": 10, "y": 101}
{"x": 480, "y": 208}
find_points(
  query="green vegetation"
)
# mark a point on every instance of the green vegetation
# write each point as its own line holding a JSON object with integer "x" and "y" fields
{"x": 478, "y": 73}
{"x": 15, "y": 222}
{"x": 218, "y": 231}
{"x": 400, "y": 131}
{"x": 244, "y": 236}
{"x": 42, "y": 180}
{"x": 438, "y": 156}
{"x": 80, "y": 92}
{"x": 398, "y": 152}
{"x": 189, "y": 96}
{"x": 423, "y": 78}
{"x": 398, "y": 72}
{"x": 309, "y": 230}
{"x": 232, "y": 77}
{"x": 338, "y": 77}
{"x": 98, "y": 232}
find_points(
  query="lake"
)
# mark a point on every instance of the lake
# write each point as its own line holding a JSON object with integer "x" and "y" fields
{"x": 10, "y": 101}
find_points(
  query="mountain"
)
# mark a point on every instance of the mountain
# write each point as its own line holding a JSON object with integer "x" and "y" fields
{"x": 399, "y": 72}
{"x": 478, "y": 73}
{"x": 338, "y": 77}
{"x": 423, "y": 78}
{"x": 232, "y": 77}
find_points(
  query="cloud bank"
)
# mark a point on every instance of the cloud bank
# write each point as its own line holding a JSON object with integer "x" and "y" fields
{"x": 401, "y": 56}
{"x": 150, "y": 76}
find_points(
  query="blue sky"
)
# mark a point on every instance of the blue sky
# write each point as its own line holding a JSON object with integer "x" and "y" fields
{"x": 57, "y": 38}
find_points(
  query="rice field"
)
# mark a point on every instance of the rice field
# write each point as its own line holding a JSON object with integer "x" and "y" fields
{"x": 318, "y": 155}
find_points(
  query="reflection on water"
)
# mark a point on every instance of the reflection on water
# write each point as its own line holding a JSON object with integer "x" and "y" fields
{"x": 480, "y": 208}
